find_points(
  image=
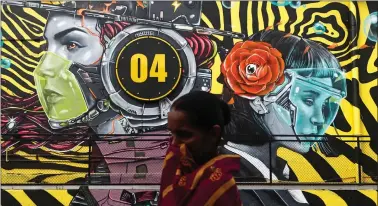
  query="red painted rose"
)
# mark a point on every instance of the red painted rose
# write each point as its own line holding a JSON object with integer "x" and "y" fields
{"x": 253, "y": 69}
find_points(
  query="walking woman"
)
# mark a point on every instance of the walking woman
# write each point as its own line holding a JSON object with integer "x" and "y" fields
{"x": 193, "y": 172}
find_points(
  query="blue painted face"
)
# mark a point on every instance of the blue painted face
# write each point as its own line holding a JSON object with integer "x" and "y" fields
{"x": 315, "y": 100}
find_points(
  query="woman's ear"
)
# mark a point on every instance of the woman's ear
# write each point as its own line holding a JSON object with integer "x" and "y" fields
{"x": 216, "y": 131}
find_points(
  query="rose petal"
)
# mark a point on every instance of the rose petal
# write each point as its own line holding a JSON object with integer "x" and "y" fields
{"x": 242, "y": 67}
{"x": 244, "y": 55}
{"x": 228, "y": 58}
{"x": 234, "y": 85}
{"x": 268, "y": 89}
{"x": 252, "y": 79}
{"x": 282, "y": 65}
{"x": 275, "y": 52}
{"x": 274, "y": 67}
{"x": 235, "y": 72}
{"x": 248, "y": 96}
{"x": 267, "y": 78}
{"x": 262, "y": 71}
{"x": 228, "y": 61}
{"x": 253, "y": 89}
{"x": 256, "y": 59}
{"x": 263, "y": 54}
{"x": 235, "y": 56}
{"x": 255, "y": 45}
{"x": 280, "y": 80}
{"x": 236, "y": 46}
{"x": 242, "y": 71}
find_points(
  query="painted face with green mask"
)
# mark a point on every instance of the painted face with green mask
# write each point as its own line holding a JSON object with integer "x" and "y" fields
{"x": 69, "y": 40}
{"x": 58, "y": 90}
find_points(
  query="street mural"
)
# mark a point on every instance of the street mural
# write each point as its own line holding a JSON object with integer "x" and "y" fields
{"x": 299, "y": 77}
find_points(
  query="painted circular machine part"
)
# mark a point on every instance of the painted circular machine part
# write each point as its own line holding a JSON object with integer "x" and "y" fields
{"x": 148, "y": 68}
{"x": 147, "y": 97}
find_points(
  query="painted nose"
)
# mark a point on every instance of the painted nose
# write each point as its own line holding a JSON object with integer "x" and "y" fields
{"x": 47, "y": 72}
{"x": 317, "y": 119}
{"x": 50, "y": 85}
{"x": 49, "y": 66}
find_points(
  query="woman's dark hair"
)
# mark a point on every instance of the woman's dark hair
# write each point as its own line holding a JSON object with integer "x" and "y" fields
{"x": 297, "y": 52}
{"x": 204, "y": 109}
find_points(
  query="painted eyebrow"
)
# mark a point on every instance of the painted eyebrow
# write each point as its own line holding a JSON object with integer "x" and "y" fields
{"x": 67, "y": 31}
{"x": 312, "y": 92}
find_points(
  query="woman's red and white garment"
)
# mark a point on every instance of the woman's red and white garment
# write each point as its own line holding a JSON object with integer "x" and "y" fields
{"x": 186, "y": 183}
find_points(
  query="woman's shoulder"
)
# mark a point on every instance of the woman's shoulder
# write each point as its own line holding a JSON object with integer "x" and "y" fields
{"x": 217, "y": 188}
{"x": 247, "y": 172}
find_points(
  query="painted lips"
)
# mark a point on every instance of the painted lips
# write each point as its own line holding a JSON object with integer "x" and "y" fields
{"x": 309, "y": 138}
{"x": 53, "y": 98}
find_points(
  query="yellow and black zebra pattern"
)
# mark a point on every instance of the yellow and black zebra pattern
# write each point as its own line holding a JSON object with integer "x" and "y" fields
{"x": 22, "y": 32}
{"x": 36, "y": 197}
{"x": 64, "y": 197}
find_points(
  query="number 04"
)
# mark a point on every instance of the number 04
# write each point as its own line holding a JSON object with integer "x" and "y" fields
{"x": 139, "y": 68}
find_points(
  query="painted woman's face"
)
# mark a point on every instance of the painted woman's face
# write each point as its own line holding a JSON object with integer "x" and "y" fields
{"x": 311, "y": 116}
{"x": 74, "y": 38}
{"x": 315, "y": 103}
{"x": 70, "y": 39}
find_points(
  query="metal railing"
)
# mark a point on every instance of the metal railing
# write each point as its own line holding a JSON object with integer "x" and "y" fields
{"x": 57, "y": 159}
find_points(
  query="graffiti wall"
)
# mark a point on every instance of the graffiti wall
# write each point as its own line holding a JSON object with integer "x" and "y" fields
{"x": 86, "y": 87}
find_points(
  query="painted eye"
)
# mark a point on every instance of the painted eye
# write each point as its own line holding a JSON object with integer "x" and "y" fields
{"x": 72, "y": 46}
{"x": 250, "y": 69}
{"x": 309, "y": 102}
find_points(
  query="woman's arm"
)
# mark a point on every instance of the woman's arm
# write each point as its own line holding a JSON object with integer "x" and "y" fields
{"x": 229, "y": 198}
{"x": 227, "y": 195}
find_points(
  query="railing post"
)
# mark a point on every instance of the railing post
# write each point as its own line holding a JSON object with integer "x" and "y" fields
{"x": 6, "y": 155}
{"x": 89, "y": 159}
{"x": 270, "y": 160}
{"x": 359, "y": 160}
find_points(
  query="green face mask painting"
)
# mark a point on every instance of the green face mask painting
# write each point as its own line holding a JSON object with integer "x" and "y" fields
{"x": 58, "y": 90}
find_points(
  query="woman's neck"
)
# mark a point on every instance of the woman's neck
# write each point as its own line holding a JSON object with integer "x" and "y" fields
{"x": 260, "y": 152}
